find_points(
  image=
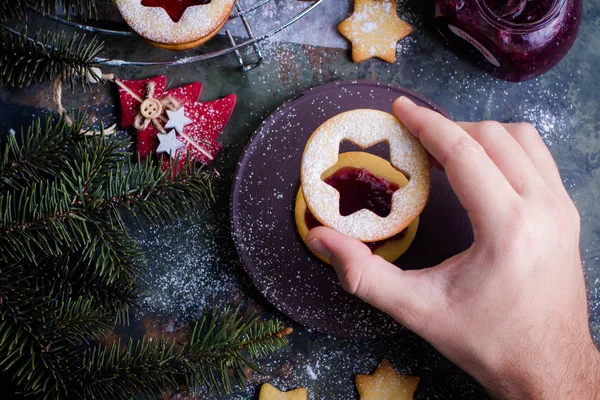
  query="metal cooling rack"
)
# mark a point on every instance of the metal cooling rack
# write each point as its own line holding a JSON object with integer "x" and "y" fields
{"x": 252, "y": 41}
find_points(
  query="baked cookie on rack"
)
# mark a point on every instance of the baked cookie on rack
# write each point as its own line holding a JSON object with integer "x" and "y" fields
{"x": 176, "y": 25}
{"x": 374, "y": 30}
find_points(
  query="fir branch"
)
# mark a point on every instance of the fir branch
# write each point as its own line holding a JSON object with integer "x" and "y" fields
{"x": 85, "y": 9}
{"x": 51, "y": 218}
{"x": 108, "y": 269}
{"x": 10, "y": 9}
{"x": 51, "y": 304}
{"x": 76, "y": 319}
{"x": 68, "y": 268}
{"x": 90, "y": 163}
{"x": 83, "y": 212}
{"x": 42, "y": 328}
{"x": 37, "y": 152}
{"x": 43, "y": 221}
{"x": 145, "y": 190}
{"x": 40, "y": 220}
{"x": 116, "y": 296}
{"x": 50, "y": 318}
{"x": 45, "y": 57}
{"x": 146, "y": 368}
{"x": 227, "y": 340}
{"x": 111, "y": 255}
{"x": 219, "y": 346}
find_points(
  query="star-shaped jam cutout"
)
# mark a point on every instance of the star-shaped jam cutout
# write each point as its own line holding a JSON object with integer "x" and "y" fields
{"x": 175, "y": 8}
{"x": 386, "y": 384}
{"x": 360, "y": 189}
{"x": 374, "y": 30}
{"x": 269, "y": 392}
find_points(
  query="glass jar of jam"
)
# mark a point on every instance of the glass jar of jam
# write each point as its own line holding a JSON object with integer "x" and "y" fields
{"x": 514, "y": 40}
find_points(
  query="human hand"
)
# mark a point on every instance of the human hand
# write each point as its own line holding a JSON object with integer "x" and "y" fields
{"x": 511, "y": 310}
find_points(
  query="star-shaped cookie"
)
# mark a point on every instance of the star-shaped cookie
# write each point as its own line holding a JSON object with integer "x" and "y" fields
{"x": 269, "y": 392}
{"x": 386, "y": 384}
{"x": 374, "y": 30}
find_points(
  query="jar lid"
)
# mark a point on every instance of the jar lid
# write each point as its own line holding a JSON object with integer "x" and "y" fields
{"x": 486, "y": 9}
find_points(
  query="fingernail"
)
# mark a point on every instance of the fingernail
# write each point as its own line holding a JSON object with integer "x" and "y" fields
{"x": 318, "y": 247}
{"x": 406, "y": 100}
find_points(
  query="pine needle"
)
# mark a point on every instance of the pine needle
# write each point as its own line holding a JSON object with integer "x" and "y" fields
{"x": 36, "y": 152}
{"x": 10, "y": 9}
{"x": 45, "y": 57}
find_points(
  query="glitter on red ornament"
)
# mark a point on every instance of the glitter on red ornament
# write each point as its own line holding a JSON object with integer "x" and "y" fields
{"x": 147, "y": 139}
{"x": 210, "y": 119}
{"x": 175, "y": 8}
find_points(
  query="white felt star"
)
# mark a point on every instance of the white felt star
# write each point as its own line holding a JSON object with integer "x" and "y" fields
{"x": 177, "y": 120}
{"x": 169, "y": 143}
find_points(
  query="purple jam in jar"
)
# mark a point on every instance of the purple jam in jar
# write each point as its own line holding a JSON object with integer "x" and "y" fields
{"x": 516, "y": 42}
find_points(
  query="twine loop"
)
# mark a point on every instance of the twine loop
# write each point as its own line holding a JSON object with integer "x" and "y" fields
{"x": 57, "y": 99}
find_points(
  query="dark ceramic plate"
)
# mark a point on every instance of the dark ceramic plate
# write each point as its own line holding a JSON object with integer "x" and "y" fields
{"x": 264, "y": 231}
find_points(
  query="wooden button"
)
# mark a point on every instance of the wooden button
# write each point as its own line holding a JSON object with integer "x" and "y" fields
{"x": 150, "y": 108}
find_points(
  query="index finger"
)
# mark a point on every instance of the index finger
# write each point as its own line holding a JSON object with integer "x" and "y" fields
{"x": 480, "y": 186}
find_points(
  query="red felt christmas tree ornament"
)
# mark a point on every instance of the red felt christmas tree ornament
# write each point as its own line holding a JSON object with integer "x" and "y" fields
{"x": 173, "y": 122}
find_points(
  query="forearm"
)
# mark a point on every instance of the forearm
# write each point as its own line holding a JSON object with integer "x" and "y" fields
{"x": 577, "y": 377}
{"x": 582, "y": 380}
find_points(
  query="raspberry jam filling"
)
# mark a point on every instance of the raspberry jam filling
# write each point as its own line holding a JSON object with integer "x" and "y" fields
{"x": 514, "y": 40}
{"x": 175, "y": 8}
{"x": 360, "y": 189}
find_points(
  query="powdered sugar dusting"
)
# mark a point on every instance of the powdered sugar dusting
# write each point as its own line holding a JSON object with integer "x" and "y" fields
{"x": 369, "y": 27}
{"x": 324, "y": 363}
{"x": 189, "y": 268}
{"x": 365, "y": 128}
{"x": 548, "y": 122}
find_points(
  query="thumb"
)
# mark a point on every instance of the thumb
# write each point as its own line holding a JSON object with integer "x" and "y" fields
{"x": 401, "y": 294}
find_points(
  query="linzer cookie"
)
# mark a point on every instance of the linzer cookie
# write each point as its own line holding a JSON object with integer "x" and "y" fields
{"x": 374, "y": 30}
{"x": 365, "y": 128}
{"x": 364, "y": 181}
{"x": 176, "y": 25}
